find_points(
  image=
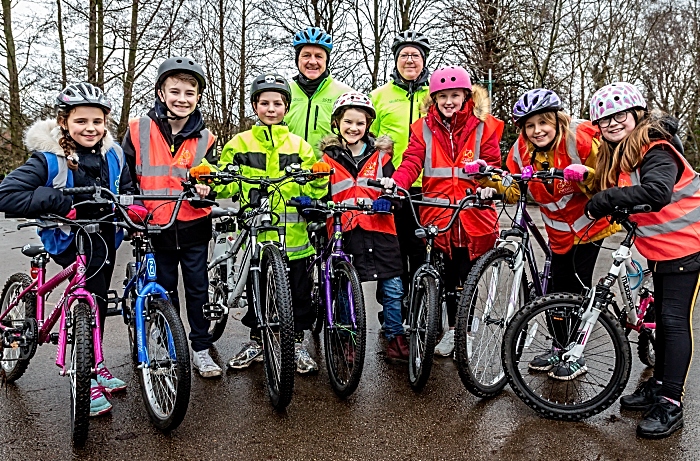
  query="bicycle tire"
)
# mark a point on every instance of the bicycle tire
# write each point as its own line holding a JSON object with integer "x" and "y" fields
{"x": 278, "y": 329}
{"x": 344, "y": 343}
{"x": 425, "y": 322}
{"x": 129, "y": 303}
{"x": 82, "y": 362}
{"x": 479, "y": 334}
{"x": 26, "y": 309}
{"x": 165, "y": 384}
{"x": 646, "y": 343}
{"x": 317, "y": 304}
{"x": 575, "y": 399}
{"x": 218, "y": 293}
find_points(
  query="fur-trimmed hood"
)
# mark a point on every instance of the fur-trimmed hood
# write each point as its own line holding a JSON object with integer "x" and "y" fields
{"x": 480, "y": 96}
{"x": 383, "y": 143}
{"x": 43, "y": 136}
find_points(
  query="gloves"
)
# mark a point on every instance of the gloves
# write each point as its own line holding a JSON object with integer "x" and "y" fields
{"x": 71, "y": 214}
{"x": 527, "y": 172}
{"x": 137, "y": 213}
{"x": 303, "y": 200}
{"x": 474, "y": 167}
{"x": 389, "y": 185}
{"x": 576, "y": 173}
{"x": 200, "y": 170}
{"x": 321, "y": 167}
{"x": 381, "y": 205}
{"x": 485, "y": 192}
{"x": 595, "y": 208}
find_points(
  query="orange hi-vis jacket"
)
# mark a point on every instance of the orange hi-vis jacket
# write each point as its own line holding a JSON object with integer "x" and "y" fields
{"x": 444, "y": 182}
{"x": 349, "y": 190}
{"x": 674, "y": 231}
{"x": 160, "y": 173}
{"x": 562, "y": 205}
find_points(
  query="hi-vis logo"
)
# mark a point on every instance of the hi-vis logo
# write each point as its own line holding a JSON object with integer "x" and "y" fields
{"x": 151, "y": 268}
{"x": 565, "y": 187}
{"x": 185, "y": 158}
{"x": 370, "y": 170}
{"x": 467, "y": 157}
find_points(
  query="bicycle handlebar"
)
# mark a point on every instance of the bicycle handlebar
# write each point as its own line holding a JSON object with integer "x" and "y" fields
{"x": 293, "y": 172}
{"x": 321, "y": 205}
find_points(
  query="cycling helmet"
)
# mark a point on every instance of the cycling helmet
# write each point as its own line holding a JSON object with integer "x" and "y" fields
{"x": 270, "y": 82}
{"x": 411, "y": 38}
{"x": 313, "y": 36}
{"x": 535, "y": 102}
{"x": 82, "y": 94}
{"x": 448, "y": 78}
{"x": 354, "y": 99}
{"x": 615, "y": 98}
{"x": 180, "y": 64}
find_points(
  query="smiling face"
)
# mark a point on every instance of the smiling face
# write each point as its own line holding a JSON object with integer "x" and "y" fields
{"x": 450, "y": 101}
{"x": 270, "y": 107}
{"x": 616, "y": 131}
{"x": 353, "y": 125}
{"x": 409, "y": 63}
{"x": 180, "y": 96}
{"x": 312, "y": 61}
{"x": 86, "y": 125}
{"x": 539, "y": 131}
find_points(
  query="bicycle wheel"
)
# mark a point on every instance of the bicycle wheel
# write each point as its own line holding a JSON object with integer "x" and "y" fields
{"x": 317, "y": 304}
{"x": 277, "y": 328}
{"x": 606, "y": 356}
{"x": 646, "y": 343}
{"x": 23, "y": 316}
{"x": 129, "y": 302}
{"x": 165, "y": 383}
{"x": 80, "y": 373}
{"x": 481, "y": 321}
{"x": 425, "y": 321}
{"x": 344, "y": 342}
{"x": 218, "y": 294}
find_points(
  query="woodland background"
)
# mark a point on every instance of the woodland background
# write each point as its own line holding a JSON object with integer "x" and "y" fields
{"x": 571, "y": 46}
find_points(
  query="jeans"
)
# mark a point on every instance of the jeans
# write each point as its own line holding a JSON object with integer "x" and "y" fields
{"x": 391, "y": 294}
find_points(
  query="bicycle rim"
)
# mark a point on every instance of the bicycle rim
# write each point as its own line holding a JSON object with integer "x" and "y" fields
{"x": 424, "y": 329}
{"x": 80, "y": 373}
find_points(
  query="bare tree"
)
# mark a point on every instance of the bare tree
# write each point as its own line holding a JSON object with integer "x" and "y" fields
{"x": 14, "y": 149}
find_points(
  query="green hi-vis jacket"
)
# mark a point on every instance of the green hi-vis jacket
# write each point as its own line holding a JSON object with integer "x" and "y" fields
{"x": 310, "y": 118}
{"x": 265, "y": 151}
{"x": 395, "y": 113}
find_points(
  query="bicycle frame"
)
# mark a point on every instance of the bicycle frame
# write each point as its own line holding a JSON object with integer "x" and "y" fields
{"x": 226, "y": 249}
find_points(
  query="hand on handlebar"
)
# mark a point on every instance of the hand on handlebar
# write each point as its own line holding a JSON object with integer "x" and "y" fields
{"x": 389, "y": 185}
{"x": 321, "y": 167}
{"x": 302, "y": 200}
{"x": 381, "y": 205}
{"x": 202, "y": 190}
{"x": 474, "y": 167}
{"x": 576, "y": 173}
{"x": 485, "y": 193}
{"x": 137, "y": 213}
{"x": 71, "y": 214}
{"x": 200, "y": 170}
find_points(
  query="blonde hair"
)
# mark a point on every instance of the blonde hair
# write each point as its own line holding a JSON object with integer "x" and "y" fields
{"x": 555, "y": 119}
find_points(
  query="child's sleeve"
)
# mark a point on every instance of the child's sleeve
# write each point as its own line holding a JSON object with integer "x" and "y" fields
{"x": 318, "y": 188}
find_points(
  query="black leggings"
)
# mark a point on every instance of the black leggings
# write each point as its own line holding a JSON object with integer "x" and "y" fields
{"x": 456, "y": 271}
{"x": 674, "y": 298}
{"x": 412, "y": 247}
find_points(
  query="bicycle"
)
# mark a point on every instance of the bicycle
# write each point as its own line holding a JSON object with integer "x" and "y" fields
{"x": 338, "y": 293}
{"x": 592, "y": 329}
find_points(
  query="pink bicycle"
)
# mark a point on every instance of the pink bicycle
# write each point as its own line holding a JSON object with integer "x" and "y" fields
{"x": 24, "y": 326}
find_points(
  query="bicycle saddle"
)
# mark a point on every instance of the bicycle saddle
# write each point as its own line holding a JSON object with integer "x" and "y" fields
{"x": 315, "y": 226}
{"x": 33, "y": 250}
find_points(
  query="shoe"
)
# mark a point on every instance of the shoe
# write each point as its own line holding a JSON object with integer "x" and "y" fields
{"x": 643, "y": 398}
{"x": 305, "y": 364}
{"x": 569, "y": 370}
{"x": 546, "y": 361}
{"x": 397, "y": 349}
{"x": 99, "y": 405}
{"x": 203, "y": 363}
{"x": 663, "y": 419}
{"x": 446, "y": 344}
{"x": 106, "y": 380}
{"x": 249, "y": 353}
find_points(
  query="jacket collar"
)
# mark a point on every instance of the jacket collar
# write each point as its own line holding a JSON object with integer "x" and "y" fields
{"x": 270, "y": 136}
{"x": 43, "y": 136}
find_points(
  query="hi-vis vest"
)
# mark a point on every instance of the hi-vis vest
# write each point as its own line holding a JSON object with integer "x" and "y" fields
{"x": 160, "y": 173}
{"x": 562, "y": 209}
{"x": 444, "y": 181}
{"x": 346, "y": 189}
{"x": 674, "y": 231}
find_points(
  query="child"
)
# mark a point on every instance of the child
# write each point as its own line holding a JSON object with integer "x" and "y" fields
{"x": 264, "y": 151}
{"x": 370, "y": 239}
{"x": 641, "y": 163}
{"x": 457, "y": 129}
{"x": 74, "y": 150}
{"x": 548, "y": 135}
{"x": 160, "y": 148}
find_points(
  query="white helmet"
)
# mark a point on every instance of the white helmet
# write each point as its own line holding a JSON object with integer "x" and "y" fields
{"x": 354, "y": 99}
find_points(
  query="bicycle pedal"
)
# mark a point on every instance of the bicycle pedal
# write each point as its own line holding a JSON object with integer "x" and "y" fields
{"x": 213, "y": 312}
{"x": 112, "y": 311}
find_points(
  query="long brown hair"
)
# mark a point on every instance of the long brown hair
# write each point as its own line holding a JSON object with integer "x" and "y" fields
{"x": 65, "y": 141}
{"x": 555, "y": 119}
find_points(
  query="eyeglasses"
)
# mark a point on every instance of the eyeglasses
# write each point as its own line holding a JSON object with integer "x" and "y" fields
{"x": 413, "y": 57}
{"x": 619, "y": 117}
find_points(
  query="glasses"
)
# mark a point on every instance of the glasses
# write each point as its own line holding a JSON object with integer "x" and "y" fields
{"x": 620, "y": 117}
{"x": 413, "y": 57}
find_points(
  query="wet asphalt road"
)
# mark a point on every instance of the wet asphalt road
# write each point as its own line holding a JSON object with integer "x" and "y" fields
{"x": 231, "y": 417}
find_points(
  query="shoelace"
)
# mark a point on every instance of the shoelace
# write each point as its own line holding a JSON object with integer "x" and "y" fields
{"x": 97, "y": 391}
{"x": 206, "y": 360}
{"x": 104, "y": 372}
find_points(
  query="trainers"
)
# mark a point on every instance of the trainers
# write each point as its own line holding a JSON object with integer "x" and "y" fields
{"x": 663, "y": 419}
{"x": 99, "y": 405}
{"x": 546, "y": 361}
{"x": 569, "y": 370}
{"x": 446, "y": 344}
{"x": 249, "y": 353}
{"x": 105, "y": 379}
{"x": 397, "y": 348}
{"x": 643, "y": 398}
{"x": 305, "y": 364}
{"x": 203, "y": 363}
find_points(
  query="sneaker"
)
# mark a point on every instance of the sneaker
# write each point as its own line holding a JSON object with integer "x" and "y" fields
{"x": 569, "y": 370}
{"x": 203, "y": 363}
{"x": 305, "y": 364}
{"x": 546, "y": 361}
{"x": 106, "y": 380}
{"x": 397, "y": 349}
{"x": 99, "y": 405}
{"x": 643, "y": 398}
{"x": 249, "y": 353}
{"x": 663, "y": 419}
{"x": 446, "y": 344}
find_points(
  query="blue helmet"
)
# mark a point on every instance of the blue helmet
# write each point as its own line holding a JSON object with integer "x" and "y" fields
{"x": 313, "y": 36}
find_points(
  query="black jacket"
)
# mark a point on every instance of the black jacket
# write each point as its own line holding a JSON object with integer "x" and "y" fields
{"x": 376, "y": 255}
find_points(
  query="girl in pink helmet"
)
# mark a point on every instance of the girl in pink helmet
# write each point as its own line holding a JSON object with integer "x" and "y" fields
{"x": 457, "y": 129}
{"x": 641, "y": 163}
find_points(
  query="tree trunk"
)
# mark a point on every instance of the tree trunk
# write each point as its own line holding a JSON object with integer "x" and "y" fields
{"x": 92, "y": 44}
{"x": 62, "y": 45}
{"x": 100, "y": 43}
{"x": 242, "y": 100}
{"x": 130, "y": 71}
{"x": 16, "y": 150}
{"x": 225, "y": 119}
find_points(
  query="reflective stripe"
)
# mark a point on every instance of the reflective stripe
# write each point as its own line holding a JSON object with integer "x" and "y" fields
{"x": 447, "y": 172}
{"x": 556, "y": 225}
{"x": 299, "y": 248}
{"x": 581, "y": 223}
{"x": 477, "y": 145}
{"x": 558, "y": 205}
{"x": 688, "y": 191}
{"x": 165, "y": 191}
{"x": 291, "y": 218}
{"x": 342, "y": 186}
{"x": 673, "y": 225}
{"x": 516, "y": 154}
{"x": 145, "y": 140}
{"x": 571, "y": 148}
{"x": 201, "y": 149}
{"x": 442, "y": 201}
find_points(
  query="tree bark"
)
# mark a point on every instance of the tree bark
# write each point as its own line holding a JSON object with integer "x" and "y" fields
{"x": 100, "y": 43}
{"x": 16, "y": 150}
{"x": 130, "y": 71}
{"x": 92, "y": 44}
{"x": 242, "y": 100}
{"x": 62, "y": 45}
{"x": 225, "y": 117}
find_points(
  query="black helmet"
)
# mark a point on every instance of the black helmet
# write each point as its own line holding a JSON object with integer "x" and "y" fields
{"x": 82, "y": 94}
{"x": 411, "y": 38}
{"x": 180, "y": 64}
{"x": 270, "y": 82}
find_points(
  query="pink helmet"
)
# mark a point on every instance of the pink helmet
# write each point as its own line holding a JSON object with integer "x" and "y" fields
{"x": 615, "y": 98}
{"x": 448, "y": 78}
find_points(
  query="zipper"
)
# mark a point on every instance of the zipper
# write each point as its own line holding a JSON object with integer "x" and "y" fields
{"x": 272, "y": 140}
{"x": 315, "y": 117}
{"x": 410, "y": 117}
{"x": 308, "y": 114}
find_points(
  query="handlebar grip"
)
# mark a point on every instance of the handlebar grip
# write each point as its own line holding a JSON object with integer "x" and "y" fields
{"x": 374, "y": 183}
{"x": 640, "y": 209}
{"x": 500, "y": 197}
{"x": 294, "y": 203}
{"x": 79, "y": 190}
